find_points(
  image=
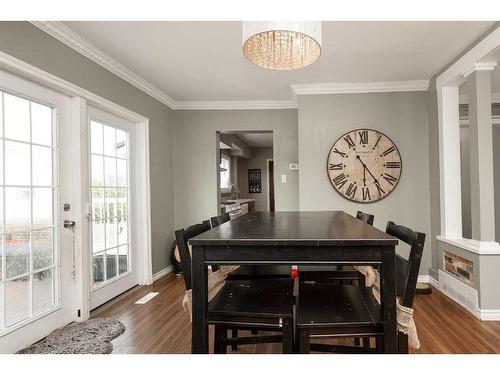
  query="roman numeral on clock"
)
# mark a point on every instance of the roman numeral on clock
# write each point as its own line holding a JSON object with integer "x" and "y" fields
{"x": 389, "y": 178}
{"x": 336, "y": 167}
{"x": 379, "y": 189}
{"x": 388, "y": 151}
{"x": 366, "y": 194}
{"x": 393, "y": 164}
{"x": 340, "y": 180}
{"x": 376, "y": 143}
{"x": 363, "y": 137}
{"x": 349, "y": 141}
{"x": 343, "y": 154}
{"x": 351, "y": 191}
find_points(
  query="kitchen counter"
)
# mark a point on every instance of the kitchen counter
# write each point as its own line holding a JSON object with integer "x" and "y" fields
{"x": 237, "y": 205}
{"x": 240, "y": 201}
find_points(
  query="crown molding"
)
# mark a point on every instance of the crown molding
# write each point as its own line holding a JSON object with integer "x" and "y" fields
{"x": 464, "y": 98}
{"x": 67, "y": 36}
{"x": 236, "y": 104}
{"x": 479, "y": 66}
{"x": 75, "y": 41}
{"x": 359, "y": 87}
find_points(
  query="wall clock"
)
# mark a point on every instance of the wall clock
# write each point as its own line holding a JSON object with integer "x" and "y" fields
{"x": 364, "y": 165}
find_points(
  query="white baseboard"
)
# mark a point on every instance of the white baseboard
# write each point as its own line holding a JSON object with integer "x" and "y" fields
{"x": 163, "y": 272}
{"x": 428, "y": 280}
{"x": 488, "y": 314}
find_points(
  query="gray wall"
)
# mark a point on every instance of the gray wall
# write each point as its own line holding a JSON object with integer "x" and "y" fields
{"x": 195, "y": 157}
{"x": 26, "y": 42}
{"x": 257, "y": 161}
{"x": 402, "y": 117}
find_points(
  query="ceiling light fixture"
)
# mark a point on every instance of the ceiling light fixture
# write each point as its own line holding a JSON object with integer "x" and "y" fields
{"x": 282, "y": 45}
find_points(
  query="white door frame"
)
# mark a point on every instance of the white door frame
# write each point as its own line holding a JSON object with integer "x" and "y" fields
{"x": 80, "y": 98}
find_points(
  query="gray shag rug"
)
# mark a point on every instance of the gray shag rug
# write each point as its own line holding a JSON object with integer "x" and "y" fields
{"x": 89, "y": 337}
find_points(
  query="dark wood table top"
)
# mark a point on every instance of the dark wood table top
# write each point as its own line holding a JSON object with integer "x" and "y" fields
{"x": 313, "y": 228}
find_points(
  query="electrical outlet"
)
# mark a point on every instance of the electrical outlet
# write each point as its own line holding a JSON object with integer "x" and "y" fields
{"x": 283, "y": 178}
{"x": 294, "y": 167}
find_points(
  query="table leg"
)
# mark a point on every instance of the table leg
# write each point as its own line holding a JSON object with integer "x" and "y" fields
{"x": 199, "y": 332}
{"x": 388, "y": 299}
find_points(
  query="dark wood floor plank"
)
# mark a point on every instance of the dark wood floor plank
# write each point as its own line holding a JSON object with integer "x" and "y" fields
{"x": 162, "y": 326}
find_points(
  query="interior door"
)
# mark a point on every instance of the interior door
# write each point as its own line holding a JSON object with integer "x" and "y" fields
{"x": 112, "y": 243}
{"x": 36, "y": 251}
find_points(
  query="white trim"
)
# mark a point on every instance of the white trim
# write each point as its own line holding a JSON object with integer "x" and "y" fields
{"x": 467, "y": 61}
{"x": 427, "y": 279}
{"x": 236, "y": 104}
{"x": 66, "y": 35}
{"x": 474, "y": 246}
{"x": 495, "y": 98}
{"x": 359, "y": 87}
{"x": 82, "y": 237}
{"x": 489, "y": 315}
{"x": 143, "y": 211}
{"x": 482, "y": 65}
{"x": 35, "y": 74}
{"x": 158, "y": 275}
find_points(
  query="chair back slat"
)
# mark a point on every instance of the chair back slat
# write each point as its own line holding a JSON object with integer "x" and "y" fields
{"x": 183, "y": 236}
{"x": 224, "y": 218}
{"x": 407, "y": 270}
{"x": 214, "y": 222}
{"x": 367, "y": 218}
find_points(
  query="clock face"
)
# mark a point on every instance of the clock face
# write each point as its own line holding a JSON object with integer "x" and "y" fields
{"x": 364, "y": 165}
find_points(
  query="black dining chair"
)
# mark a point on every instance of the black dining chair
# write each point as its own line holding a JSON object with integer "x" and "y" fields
{"x": 246, "y": 272}
{"x": 219, "y": 220}
{"x": 260, "y": 304}
{"x": 329, "y": 310}
{"x": 336, "y": 274}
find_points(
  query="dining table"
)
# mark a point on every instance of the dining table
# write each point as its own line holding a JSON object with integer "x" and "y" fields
{"x": 312, "y": 238}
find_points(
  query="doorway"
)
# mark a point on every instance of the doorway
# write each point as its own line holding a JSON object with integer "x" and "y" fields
{"x": 244, "y": 183}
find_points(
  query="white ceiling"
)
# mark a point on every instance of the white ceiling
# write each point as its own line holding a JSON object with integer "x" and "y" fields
{"x": 202, "y": 61}
{"x": 257, "y": 139}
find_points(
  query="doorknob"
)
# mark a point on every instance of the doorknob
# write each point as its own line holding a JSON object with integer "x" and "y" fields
{"x": 69, "y": 224}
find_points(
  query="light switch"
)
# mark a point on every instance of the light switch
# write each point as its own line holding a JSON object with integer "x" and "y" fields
{"x": 283, "y": 178}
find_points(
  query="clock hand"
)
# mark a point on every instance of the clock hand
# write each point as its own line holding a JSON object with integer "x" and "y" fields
{"x": 364, "y": 175}
{"x": 366, "y": 168}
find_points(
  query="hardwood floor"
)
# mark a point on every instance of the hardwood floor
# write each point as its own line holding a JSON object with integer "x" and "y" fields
{"x": 162, "y": 326}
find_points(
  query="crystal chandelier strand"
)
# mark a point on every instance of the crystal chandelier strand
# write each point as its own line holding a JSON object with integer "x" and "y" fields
{"x": 282, "y": 45}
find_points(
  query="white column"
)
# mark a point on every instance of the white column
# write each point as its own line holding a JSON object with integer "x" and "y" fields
{"x": 449, "y": 162}
{"x": 481, "y": 155}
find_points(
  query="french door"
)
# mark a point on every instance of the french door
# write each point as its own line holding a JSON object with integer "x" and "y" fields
{"x": 111, "y": 216}
{"x": 36, "y": 251}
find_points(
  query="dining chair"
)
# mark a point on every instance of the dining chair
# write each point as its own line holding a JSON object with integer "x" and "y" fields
{"x": 335, "y": 274}
{"x": 219, "y": 220}
{"x": 329, "y": 310}
{"x": 246, "y": 272}
{"x": 259, "y": 304}
{"x": 250, "y": 272}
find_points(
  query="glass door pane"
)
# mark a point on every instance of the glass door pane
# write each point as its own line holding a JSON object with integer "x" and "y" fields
{"x": 28, "y": 256}
{"x": 109, "y": 192}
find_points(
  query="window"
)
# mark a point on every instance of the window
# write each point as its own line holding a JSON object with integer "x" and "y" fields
{"x": 225, "y": 170}
{"x": 110, "y": 203}
{"x": 28, "y": 234}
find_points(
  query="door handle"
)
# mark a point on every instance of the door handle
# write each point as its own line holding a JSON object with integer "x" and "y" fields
{"x": 69, "y": 224}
